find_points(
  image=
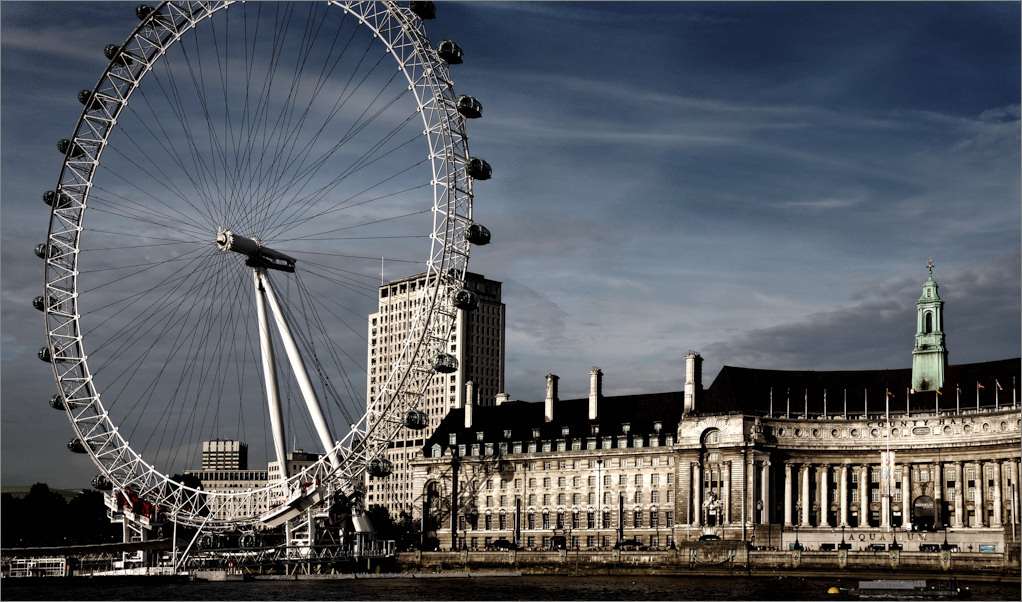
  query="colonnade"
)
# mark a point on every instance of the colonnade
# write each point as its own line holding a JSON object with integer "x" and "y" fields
{"x": 851, "y": 494}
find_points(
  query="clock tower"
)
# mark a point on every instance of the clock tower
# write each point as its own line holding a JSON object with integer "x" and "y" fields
{"x": 929, "y": 358}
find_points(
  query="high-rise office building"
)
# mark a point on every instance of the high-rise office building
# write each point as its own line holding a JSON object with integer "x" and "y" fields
{"x": 478, "y": 344}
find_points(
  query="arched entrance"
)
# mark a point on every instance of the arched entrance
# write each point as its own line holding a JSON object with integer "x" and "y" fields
{"x": 923, "y": 513}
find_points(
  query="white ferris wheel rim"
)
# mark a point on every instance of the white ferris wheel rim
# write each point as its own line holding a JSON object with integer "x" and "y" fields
{"x": 429, "y": 82}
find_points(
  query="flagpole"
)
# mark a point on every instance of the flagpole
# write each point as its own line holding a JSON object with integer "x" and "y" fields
{"x": 887, "y": 459}
{"x": 908, "y": 410}
{"x": 846, "y": 402}
{"x": 806, "y": 408}
{"x": 997, "y": 403}
{"x": 771, "y": 402}
{"x": 977, "y": 395}
{"x": 958, "y": 398}
{"x": 787, "y": 404}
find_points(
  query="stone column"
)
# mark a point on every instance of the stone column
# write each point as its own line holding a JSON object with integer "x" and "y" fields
{"x": 998, "y": 520}
{"x": 764, "y": 492}
{"x": 697, "y": 494}
{"x": 843, "y": 492}
{"x": 864, "y": 500}
{"x": 938, "y": 496}
{"x": 824, "y": 480}
{"x": 959, "y": 496}
{"x": 1016, "y": 492}
{"x": 807, "y": 507}
{"x": 749, "y": 499}
{"x": 981, "y": 493}
{"x": 787, "y": 494}
{"x": 725, "y": 495}
{"x": 906, "y": 496}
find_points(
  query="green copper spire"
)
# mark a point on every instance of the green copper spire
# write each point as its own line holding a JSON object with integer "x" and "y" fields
{"x": 929, "y": 358}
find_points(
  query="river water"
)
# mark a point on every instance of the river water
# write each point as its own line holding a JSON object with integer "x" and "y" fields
{"x": 527, "y": 587}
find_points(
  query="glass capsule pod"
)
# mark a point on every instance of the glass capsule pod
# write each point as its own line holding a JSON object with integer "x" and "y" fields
{"x": 44, "y": 354}
{"x": 465, "y": 299}
{"x": 479, "y": 169}
{"x": 39, "y": 303}
{"x": 451, "y": 53}
{"x": 470, "y": 107}
{"x": 102, "y": 483}
{"x": 114, "y": 53}
{"x": 423, "y": 10}
{"x": 85, "y": 97}
{"x": 41, "y": 250}
{"x": 62, "y": 200}
{"x": 380, "y": 467}
{"x": 142, "y": 11}
{"x": 76, "y": 446}
{"x": 477, "y": 234}
{"x": 57, "y": 401}
{"x": 445, "y": 363}
{"x": 71, "y": 149}
{"x": 415, "y": 419}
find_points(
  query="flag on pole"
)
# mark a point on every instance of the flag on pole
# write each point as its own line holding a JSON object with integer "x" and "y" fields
{"x": 999, "y": 387}
{"x": 980, "y": 385}
{"x": 938, "y": 392}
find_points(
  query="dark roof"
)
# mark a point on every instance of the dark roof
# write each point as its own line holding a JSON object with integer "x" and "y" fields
{"x": 521, "y": 417}
{"x": 749, "y": 390}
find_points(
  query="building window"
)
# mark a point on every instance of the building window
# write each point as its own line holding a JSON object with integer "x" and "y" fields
{"x": 560, "y": 499}
{"x": 638, "y": 497}
{"x": 875, "y": 495}
{"x": 590, "y": 520}
{"x": 622, "y": 480}
{"x": 637, "y": 519}
{"x": 546, "y": 520}
{"x": 638, "y": 480}
{"x": 502, "y": 522}
{"x": 488, "y": 523}
{"x": 654, "y": 519}
{"x": 530, "y": 521}
{"x": 654, "y": 497}
{"x": 575, "y": 520}
{"x": 669, "y": 518}
{"x": 547, "y": 481}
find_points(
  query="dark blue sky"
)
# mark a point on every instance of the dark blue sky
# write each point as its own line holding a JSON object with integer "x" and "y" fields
{"x": 760, "y": 182}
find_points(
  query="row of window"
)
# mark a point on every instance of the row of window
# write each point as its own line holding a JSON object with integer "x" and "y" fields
{"x": 637, "y": 519}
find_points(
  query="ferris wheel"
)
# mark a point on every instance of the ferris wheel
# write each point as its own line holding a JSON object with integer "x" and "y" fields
{"x": 237, "y": 179}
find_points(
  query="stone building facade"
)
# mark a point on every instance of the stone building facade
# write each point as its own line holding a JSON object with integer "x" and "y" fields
{"x": 776, "y": 458}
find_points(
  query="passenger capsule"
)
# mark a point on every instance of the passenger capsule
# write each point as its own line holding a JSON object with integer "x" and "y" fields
{"x": 113, "y": 52}
{"x": 42, "y": 250}
{"x": 415, "y": 419}
{"x": 423, "y": 10}
{"x": 86, "y": 98}
{"x": 445, "y": 363}
{"x": 57, "y": 402}
{"x": 76, "y": 446}
{"x": 62, "y": 200}
{"x": 466, "y": 299}
{"x": 470, "y": 107}
{"x": 39, "y": 303}
{"x": 69, "y": 148}
{"x": 142, "y": 11}
{"x": 102, "y": 483}
{"x": 380, "y": 467}
{"x": 477, "y": 234}
{"x": 44, "y": 354}
{"x": 478, "y": 169}
{"x": 450, "y": 52}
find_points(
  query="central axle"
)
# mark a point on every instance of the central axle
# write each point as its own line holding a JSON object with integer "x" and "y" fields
{"x": 258, "y": 255}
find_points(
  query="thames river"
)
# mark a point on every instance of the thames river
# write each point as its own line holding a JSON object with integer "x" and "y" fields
{"x": 487, "y": 588}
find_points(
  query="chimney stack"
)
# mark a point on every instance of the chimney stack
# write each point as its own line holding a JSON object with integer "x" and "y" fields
{"x": 470, "y": 403}
{"x": 595, "y": 390}
{"x": 502, "y": 397}
{"x": 693, "y": 380}
{"x": 551, "y": 396}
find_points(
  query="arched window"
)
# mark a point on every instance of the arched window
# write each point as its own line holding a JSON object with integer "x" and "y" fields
{"x": 928, "y": 325}
{"x": 711, "y": 437}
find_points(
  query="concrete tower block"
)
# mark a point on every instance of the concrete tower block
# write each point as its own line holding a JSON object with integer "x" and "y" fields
{"x": 470, "y": 403}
